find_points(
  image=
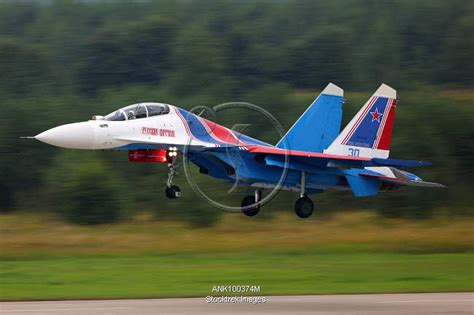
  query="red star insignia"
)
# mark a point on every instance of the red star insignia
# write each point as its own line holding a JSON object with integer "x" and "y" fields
{"x": 376, "y": 115}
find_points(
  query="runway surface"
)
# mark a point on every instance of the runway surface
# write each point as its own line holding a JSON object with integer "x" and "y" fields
{"x": 384, "y": 304}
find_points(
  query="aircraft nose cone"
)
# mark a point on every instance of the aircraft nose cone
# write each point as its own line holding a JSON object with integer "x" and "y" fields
{"x": 72, "y": 136}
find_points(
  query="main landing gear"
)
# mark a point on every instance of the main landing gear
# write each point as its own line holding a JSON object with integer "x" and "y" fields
{"x": 304, "y": 205}
{"x": 172, "y": 191}
{"x": 251, "y": 201}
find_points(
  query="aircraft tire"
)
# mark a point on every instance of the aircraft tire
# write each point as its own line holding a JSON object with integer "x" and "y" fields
{"x": 304, "y": 207}
{"x": 173, "y": 192}
{"x": 247, "y": 201}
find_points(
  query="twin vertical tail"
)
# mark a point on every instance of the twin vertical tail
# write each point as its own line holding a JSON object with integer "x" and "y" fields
{"x": 369, "y": 133}
{"x": 319, "y": 125}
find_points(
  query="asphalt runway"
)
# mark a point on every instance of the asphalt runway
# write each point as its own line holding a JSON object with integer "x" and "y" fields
{"x": 384, "y": 304}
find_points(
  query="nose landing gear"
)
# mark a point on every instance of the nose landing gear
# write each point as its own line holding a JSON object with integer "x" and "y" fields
{"x": 172, "y": 191}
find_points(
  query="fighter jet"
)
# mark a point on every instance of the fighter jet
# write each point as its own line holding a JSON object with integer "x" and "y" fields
{"x": 314, "y": 154}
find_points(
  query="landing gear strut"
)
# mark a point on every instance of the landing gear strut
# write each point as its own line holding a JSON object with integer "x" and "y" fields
{"x": 172, "y": 191}
{"x": 304, "y": 205}
{"x": 251, "y": 202}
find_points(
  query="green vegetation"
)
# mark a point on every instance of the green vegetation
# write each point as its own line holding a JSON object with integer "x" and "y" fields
{"x": 42, "y": 258}
{"x": 88, "y": 190}
{"x": 64, "y": 61}
{"x": 283, "y": 272}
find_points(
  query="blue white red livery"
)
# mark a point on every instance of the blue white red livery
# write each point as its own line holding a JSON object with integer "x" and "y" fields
{"x": 316, "y": 155}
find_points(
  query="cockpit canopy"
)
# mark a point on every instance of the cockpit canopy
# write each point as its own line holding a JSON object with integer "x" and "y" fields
{"x": 137, "y": 111}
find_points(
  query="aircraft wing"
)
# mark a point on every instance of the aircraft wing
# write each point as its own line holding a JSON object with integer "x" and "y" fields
{"x": 324, "y": 159}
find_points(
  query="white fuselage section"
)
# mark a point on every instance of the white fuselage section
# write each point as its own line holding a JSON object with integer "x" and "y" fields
{"x": 103, "y": 134}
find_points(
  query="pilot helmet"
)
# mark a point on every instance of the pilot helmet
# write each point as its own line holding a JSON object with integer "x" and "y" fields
{"x": 131, "y": 114}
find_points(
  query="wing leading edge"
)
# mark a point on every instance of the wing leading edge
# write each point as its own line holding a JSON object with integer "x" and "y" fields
{"x": 333, "y": 159}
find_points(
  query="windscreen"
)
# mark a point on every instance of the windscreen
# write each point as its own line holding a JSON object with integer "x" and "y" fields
{"x": 137, "y": 111}
{"x": 118, "y": 115}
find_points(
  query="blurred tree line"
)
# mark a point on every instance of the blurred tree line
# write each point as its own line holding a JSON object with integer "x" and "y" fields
{"x": 63, "y": 61}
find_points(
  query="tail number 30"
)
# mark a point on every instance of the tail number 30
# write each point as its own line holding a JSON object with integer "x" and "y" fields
{"x": 354, "y": 152}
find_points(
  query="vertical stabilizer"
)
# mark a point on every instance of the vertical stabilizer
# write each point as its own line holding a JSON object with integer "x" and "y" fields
{"x": 319, "y": 125}
{"x": 369, "y": 133}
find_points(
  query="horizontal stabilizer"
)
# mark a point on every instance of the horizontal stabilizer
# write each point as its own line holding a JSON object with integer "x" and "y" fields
{"x": 399, "y": 163}
{"x": 362, "y": 186}
{"x": 404, "y": 181}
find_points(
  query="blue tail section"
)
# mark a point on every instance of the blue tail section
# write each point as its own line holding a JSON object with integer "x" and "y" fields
{"x": 319, "y": 125}
{"x": 369, "y": 133}
{"x": 361, "y": 186}
{"x": 365, "y": 133}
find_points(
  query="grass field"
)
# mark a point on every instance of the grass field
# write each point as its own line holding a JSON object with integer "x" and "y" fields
{"x": 194, "y": 275}
{"x": 43, "y": 258}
